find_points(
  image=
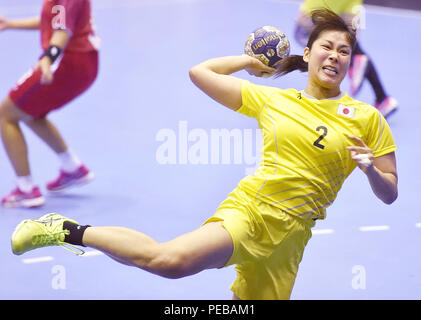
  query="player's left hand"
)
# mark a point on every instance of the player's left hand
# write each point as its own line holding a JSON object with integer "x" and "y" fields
{"x": 361, "y": 154}
{"x": 44, "y": 64}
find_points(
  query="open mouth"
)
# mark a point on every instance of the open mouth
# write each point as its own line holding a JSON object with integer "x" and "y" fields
{"x": 330, "y": 70}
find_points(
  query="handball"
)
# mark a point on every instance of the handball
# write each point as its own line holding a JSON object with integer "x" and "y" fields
{"x": 268, "y": 44}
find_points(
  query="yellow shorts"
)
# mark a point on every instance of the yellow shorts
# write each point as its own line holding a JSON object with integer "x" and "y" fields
{"x": 268, "y": 246}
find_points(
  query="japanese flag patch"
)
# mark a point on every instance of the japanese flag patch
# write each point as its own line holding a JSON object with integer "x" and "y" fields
{"x": 345, "y": 111}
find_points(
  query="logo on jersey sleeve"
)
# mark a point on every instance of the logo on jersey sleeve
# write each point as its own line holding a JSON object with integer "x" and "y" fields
{"x": 345, "y": 111}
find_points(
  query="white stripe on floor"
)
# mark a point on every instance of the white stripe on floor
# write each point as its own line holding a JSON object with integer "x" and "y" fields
{"x": 322, "y": 231}
{"x": 374, "y": 228}
{"x": 37, "y": 260}
{"x": 92, "y": 253}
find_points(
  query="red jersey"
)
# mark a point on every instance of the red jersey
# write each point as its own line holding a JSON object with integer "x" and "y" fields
{"x": 73, "y": 16}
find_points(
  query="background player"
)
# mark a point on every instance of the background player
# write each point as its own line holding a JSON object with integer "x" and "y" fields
{"x": 362, "y": 66}
{"x": 67, "y": 68}
{"x": 265, "y": 223}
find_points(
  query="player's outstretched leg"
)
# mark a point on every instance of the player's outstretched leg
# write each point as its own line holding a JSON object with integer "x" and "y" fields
{"x": 209, "y": 246}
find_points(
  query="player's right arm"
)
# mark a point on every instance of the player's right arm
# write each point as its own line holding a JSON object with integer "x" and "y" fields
{"x": 214, "y": 78}
{"x": 26, "y": 24}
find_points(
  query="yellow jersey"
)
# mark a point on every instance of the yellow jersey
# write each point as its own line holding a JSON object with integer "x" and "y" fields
{"x": 304, "y": 160}
{"x": 337, "y": 6}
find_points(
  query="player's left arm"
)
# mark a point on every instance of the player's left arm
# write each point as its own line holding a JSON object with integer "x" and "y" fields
{"x": 58, "y": 43}
{"x": 380, "y": 171}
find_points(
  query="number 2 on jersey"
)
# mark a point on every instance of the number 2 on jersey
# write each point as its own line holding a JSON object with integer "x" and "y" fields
{"x": 317, "y": 142}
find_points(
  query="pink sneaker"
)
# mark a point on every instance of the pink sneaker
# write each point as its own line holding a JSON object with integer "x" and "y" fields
{"x": 357, "y": 73}
{"x": 17, "y": 198}
{"x": 387, "y": 106}
{"x": 80, "y": 176}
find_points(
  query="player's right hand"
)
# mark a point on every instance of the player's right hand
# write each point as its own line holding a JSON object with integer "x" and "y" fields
{"x": 4, "y": 24}
{"x": 258, "y": 68}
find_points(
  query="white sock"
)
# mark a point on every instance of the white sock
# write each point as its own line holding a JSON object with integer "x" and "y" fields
{"x": 25, "y": 183}
{"x": 69, "y": 161}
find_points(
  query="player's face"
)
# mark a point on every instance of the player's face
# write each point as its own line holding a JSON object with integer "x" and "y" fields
{"x": 329, "y": 58}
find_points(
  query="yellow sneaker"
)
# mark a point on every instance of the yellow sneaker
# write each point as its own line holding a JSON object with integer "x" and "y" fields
{"x": 46, "y": 231}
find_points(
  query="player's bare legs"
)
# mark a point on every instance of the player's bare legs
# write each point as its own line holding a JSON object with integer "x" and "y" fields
{"x": 12, "y": 136}
{"x": 75, "y": 171}
{"x": 208, "y": 247}
{"x": 14, "y": 141}
{"x": 48, "y": 133}
{"x": 27, "y": 194}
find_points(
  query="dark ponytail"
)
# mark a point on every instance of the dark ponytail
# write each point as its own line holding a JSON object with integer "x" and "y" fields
{"x": 291, "y": 63}
{"x": 323, "y": 19}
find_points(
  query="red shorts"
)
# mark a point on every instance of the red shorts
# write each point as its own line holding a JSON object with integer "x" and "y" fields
{"x": 76, "y": 72}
